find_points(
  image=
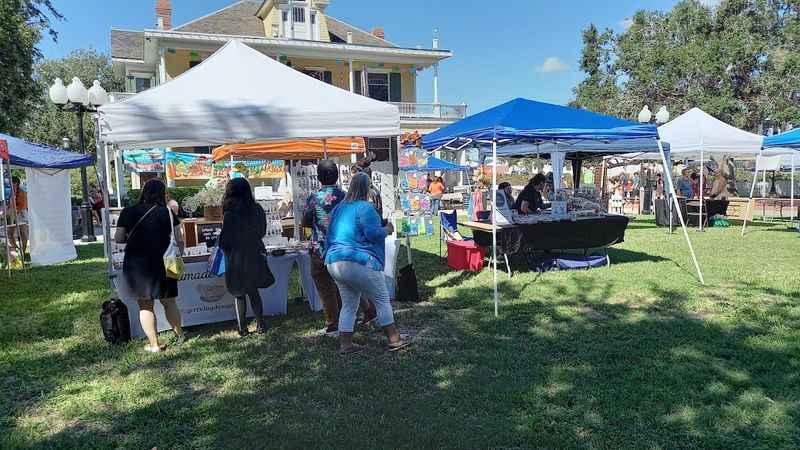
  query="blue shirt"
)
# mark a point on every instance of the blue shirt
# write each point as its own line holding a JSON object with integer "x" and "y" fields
{"x": 685, "y": 187}
{"x": 319, "y": 207}
{"x": 355, "y": 234}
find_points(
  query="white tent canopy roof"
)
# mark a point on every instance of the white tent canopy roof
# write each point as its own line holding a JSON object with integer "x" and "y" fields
{"x": 240, "y": 95}
{"x": 694, "y": 130}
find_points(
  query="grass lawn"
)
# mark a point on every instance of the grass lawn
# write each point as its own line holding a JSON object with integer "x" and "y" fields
{"x": 632, "y": 356}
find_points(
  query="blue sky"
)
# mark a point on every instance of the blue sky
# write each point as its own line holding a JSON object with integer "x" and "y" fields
{"x": 524, "y": 48}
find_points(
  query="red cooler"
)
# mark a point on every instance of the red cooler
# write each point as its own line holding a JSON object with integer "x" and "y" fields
{"x": 465, "y": 255}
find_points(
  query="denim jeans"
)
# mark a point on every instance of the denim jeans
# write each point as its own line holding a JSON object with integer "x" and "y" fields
{"x": 356, "y": 280}
{"x": 435, "y": 202}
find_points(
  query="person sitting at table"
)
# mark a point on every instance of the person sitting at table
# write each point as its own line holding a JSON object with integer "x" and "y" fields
{"x": 355, "y": 257}
{"x": 506, "y": 188}
{"x": 244, "y": 225}
{"x": 317, "y": 216}
{"x": 530, "y": 200}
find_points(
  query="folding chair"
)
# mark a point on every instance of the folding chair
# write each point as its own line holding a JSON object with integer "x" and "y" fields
{"x": 448, "y": 230}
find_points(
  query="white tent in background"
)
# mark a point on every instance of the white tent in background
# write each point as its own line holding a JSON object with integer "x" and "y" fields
{"x": 698, "y": 136}
{"x": 240, "y": 95}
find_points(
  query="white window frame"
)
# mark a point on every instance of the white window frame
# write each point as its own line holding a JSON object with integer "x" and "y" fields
{"x": 388, "y": 81}
{"x": 143, "y": 75}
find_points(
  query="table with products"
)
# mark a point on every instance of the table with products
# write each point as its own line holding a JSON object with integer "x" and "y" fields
{"x": 549, "y": 234}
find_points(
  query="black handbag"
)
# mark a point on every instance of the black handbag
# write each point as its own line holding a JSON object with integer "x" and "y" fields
{"x": 114, "y": 322}
{"x": 407, "y": 290}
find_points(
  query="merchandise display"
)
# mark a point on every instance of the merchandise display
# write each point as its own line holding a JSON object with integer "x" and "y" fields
{"x": 415, "y": 202}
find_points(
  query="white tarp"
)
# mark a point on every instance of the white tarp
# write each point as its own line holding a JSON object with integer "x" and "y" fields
{"x": 240, "y": 95}
{"x": 766, "y": 163}
{"x": 49, "y": 216}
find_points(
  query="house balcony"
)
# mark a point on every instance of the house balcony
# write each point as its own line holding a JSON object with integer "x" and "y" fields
{"x": 431, "y": 111}
{"x": 412, "y": 112}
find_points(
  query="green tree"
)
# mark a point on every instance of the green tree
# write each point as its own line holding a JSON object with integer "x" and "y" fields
{"x": 737, "y": 61}
{"x": 48, "y": 125}
{"x": 21, "y": 25}
{"x": 599, "y": 91}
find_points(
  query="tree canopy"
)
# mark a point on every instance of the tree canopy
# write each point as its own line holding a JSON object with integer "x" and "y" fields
{"x": 737, "y": 61}
{"x": 22, "y": 23}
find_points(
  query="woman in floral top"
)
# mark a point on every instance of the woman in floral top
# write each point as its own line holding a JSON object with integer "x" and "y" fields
{"x": 317, "y": 216}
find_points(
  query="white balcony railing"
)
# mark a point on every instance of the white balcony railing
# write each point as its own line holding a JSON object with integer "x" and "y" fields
{"x": 431, "y": 111}
{"x": 407, "y": 110}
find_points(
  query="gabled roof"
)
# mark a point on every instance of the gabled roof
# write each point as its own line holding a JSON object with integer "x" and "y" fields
{"x": 238, "y": 19}
{"x": 127, "y": 44}
{"x": 339, "y": 29}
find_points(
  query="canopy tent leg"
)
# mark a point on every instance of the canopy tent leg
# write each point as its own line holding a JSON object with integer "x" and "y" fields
{"x": 102, "y": 149}
{"x": 119, "y": 174}
{"x": 325, "y": 148}
{"x": 494, "y": 225}
{"x": 577, "y": 165}
{"x": 750, "y": 198}
{"x": 702, "y": 164}
{"x": 791, "y": 197}
{"x": 5, "y": 218}
{"x": 674, "y": 196}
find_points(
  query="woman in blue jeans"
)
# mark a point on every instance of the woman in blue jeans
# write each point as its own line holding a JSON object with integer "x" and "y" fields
{"x": 354, "y": 257}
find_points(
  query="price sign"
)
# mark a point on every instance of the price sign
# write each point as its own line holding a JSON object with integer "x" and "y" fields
{"x": 208, "y": 232}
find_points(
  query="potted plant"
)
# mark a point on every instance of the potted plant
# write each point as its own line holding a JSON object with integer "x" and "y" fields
{"x": 209, "y": 198}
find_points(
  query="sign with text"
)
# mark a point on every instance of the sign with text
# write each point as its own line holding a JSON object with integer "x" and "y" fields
{"x": 208, "y": 232}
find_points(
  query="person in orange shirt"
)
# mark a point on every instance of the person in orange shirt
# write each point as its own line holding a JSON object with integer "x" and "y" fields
{"x": 20, "y": 199}
{"x": 436, "y": 189}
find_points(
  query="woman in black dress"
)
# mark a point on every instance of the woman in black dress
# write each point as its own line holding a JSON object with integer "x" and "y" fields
{"x": 145, "y": 229}
{"x": 243, "y": 228}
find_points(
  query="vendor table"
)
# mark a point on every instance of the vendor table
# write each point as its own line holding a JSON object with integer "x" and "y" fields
{"x": 580, "y": 234}
{"x": 200, "y": 230}
{"x": 203, "y": 299}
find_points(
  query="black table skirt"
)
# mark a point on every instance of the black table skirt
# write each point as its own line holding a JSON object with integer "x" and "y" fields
{"x": 563, "y": 235}
{"x": 662, "y": 212}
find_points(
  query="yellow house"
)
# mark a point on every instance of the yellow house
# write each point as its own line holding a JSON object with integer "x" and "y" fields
{"x": 297, "y": 33}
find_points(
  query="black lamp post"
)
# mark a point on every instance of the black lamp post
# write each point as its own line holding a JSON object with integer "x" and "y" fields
{"x": 77, "y": 99}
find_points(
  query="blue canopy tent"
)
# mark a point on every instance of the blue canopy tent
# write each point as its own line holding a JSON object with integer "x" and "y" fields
{"x": 438, "y": 164}
{"x": 26, "y": 154}
{"x": 524, "y": 127}
{"x": 33, "y": 156}
{"x": 788, "y": 140}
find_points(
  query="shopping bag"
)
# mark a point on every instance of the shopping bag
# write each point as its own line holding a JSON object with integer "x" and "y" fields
{"x": 173, "y": 262}
{"x": 216, "y": 264}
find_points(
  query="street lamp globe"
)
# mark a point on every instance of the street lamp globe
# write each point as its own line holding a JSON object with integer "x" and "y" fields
{"x": 77, "y": 93}
{"x": 97, "y": 95}
{"x": 58, "y": 92}
{"x": 662, "y": 116}
{"x": 645, "y": 115}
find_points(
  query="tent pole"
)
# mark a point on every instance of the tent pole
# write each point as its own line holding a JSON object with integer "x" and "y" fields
{"x": 5, "y": 217}
{"x": 750, "y": 198}
{"x": 702, "y": 156}
{"x": 680, "y": 214}
{"x": 325, "y": 148}
{"x": 102, "y": 148}
{"x": 119, "y": 174}
{"x": 494, "y": 224}
{"x": 791, "y": 198}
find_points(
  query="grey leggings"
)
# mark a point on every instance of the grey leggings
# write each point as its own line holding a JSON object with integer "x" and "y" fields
{"x": 241, "y": 308}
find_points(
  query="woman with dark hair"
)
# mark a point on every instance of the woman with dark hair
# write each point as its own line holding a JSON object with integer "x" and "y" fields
{"x": 530, "y": 201}
{"x": 146, "y": 230}
{"x": 354, "y": 255}
{"x": 243, "y": 228}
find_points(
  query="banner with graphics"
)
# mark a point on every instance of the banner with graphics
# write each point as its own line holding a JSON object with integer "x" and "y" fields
{"x": 141, "y": 161}
{"x": 197, "y": 166}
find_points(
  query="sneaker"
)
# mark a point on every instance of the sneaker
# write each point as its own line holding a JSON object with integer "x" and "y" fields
{"x": 152, "y": 349}
{"x": 326, "y": 332}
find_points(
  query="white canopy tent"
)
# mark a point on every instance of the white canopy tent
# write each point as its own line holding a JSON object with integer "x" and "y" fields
{"x": 240, "y": 95}
{"x": 697, "y": 135}
{"x": 772, "y": 159}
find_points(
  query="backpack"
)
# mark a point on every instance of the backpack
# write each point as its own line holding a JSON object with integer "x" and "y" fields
{"x": 114, "y": 322}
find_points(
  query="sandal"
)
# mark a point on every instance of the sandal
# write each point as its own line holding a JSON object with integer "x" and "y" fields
{"x": 151, "y": 349}
{"x": 397, "y": 346}
{"x": 352, "y": 350}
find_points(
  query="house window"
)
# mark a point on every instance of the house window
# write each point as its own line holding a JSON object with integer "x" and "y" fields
{"x": 313, "y": 17}
{"x": 299, "y": 15}
{"x": 142, "y": 84}
{"x": 318, "y": 74}
{"x": 378, "y": 86}
{"x": 285, "y": 16}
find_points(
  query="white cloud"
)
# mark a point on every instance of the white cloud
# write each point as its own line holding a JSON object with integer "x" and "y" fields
{"x": 625, "y": 23}
{"x": 552, "y": 64}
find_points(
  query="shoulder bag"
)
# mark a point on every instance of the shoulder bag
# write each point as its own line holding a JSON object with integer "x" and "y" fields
{"x": 173, "y": 262}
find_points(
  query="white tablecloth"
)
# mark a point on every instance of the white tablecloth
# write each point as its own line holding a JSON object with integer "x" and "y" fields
{"x": 203, "y": 299}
